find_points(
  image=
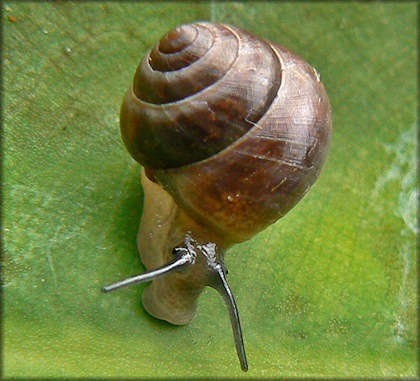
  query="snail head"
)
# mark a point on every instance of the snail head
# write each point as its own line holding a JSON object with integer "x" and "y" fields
{"x": 192, "y": 262}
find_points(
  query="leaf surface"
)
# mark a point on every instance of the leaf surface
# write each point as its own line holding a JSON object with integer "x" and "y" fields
{"x": 329, "y": 290}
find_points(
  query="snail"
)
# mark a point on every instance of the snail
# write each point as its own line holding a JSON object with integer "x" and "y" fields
{"x": 231, "y": 130}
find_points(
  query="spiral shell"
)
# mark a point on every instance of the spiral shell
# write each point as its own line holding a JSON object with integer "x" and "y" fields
{"x": 236, "y": 128}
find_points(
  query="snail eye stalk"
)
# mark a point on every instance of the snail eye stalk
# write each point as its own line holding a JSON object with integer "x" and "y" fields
{"x": 222, "y": 286}
{"x": 175, "y": 265}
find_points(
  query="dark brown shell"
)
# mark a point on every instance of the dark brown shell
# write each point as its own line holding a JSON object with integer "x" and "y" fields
{"x": 235, "y": 128}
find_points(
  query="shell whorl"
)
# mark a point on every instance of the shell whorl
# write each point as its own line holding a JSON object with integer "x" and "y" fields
{"x": 200, "y": 88}
{"x": 236, "y": 128}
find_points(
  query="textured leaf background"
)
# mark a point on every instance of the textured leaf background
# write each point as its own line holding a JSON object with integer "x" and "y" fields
{"x": 329, "y": 290}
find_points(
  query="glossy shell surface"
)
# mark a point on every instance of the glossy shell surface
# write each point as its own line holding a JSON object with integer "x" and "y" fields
{"x": 234, "y": 127}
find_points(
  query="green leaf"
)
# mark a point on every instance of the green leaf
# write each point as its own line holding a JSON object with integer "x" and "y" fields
{"x": 328, "y": 291}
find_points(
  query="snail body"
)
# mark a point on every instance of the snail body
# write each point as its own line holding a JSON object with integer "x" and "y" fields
{"x": 232, "y": 130}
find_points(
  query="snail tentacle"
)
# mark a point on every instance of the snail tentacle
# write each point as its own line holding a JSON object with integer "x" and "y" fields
{"x": 222, "y": 286}
{"x": 176, "y": 265}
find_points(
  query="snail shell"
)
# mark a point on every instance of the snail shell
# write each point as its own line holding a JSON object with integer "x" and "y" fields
{"x": 232, "y": 130}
